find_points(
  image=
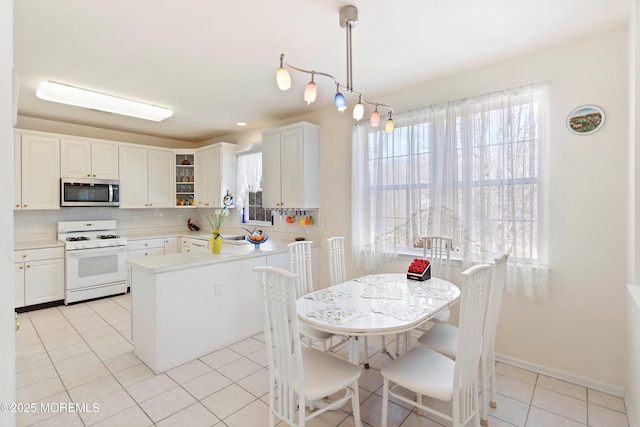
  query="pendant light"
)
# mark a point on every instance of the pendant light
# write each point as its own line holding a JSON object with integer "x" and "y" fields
{"x": 341, "y": 103}
{"x": 358, "y": 110}
{"x": 311, "y": 91}
{"x": 282, "y": 76}
{"x": 375, "y": 117}
{"x": 348, "y": 19}
{"x": 389, "y": 126}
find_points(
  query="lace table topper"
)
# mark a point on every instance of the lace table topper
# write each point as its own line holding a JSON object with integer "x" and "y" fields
{"x": 336, "y": 315}
{"x": 328, "y": 296}
{"x": 401, "y": 312}
{"x": 382, "y": 293}
{"x": 373, "y": 280}
{"x": 428, "y": 292}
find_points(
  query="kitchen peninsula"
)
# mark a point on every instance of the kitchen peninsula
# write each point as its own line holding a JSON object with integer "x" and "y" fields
{"x": 186, "y": 305}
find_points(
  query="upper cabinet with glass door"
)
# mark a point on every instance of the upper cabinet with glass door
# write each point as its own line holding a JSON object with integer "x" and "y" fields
{"x": 185, "y": 179}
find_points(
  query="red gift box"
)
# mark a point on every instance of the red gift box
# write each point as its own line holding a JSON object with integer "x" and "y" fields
{"x": 420, "y": 269}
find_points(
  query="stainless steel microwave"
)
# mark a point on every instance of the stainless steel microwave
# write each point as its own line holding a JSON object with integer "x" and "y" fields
{"x": 90, "y": 192}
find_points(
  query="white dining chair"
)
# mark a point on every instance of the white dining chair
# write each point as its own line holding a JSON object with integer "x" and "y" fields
{"x": 444, "y": 338}
{"x": 299, "y": 374}
{"x": 429, "y": 373}
{"x": 438, "y": 251}
{"x": 337, "y": 266}
{"x": 300, "y": 257}
{"x": 338, "y": 274}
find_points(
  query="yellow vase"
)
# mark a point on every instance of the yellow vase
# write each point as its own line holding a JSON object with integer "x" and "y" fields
{"x": 215, "y": 241}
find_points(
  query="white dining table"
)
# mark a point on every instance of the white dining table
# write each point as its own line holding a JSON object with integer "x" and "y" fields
{"x": 377, "y": 304}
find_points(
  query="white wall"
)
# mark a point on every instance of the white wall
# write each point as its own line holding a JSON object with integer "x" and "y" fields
{"x": 581, "y": 331}
{"x": 633, "y": 241}
{"x": 7, "y": 343}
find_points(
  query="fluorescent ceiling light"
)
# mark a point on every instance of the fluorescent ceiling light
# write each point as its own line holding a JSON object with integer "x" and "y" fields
{"x": 65, "y": 94}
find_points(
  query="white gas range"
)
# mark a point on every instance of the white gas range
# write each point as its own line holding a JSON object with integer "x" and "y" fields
{"x": 94, "y": 259}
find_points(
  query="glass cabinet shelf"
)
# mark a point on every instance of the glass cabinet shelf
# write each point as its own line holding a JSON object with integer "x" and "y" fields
{"x": 185, "y": 180}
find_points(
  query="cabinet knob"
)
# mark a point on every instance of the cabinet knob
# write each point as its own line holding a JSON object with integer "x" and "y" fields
{"x": 24, "y": 256}
{"x": 24, "y": 206}
{"x": 21, "y": 267}
{"x": 150, "y": 204}
{"x": 146, "y": 204}
{"x": 94, "y": 175}
{"x": 17, "y": 206}
{"x": 146, "y": 254}
{"x": 28, "y": 266}
{"x": 88, "y": 175}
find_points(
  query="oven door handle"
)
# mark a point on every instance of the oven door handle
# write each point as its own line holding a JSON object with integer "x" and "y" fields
{"x": 102, "y": 251}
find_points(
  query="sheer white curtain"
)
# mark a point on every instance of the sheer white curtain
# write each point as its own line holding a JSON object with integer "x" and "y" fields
{"x": 471, "y": 170}
{"x": 249, "y": 170}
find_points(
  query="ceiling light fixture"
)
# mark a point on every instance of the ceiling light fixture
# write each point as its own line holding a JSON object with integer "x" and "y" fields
{"x": 348, "y": 20}
{"x": 71, "y": 95}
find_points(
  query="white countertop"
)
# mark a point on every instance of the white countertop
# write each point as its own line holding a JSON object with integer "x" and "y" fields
{"x": 37, "y": 244}
{"x": 229, "y": 252}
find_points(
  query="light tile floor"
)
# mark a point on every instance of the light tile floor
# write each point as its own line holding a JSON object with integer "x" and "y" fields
{"x": 82, "y": 353}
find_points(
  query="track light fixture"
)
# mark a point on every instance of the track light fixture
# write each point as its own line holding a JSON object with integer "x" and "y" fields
{"x": 348, "y": 20}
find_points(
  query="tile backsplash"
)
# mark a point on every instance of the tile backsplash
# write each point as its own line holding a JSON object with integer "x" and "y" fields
{"x": 42, "y": 224}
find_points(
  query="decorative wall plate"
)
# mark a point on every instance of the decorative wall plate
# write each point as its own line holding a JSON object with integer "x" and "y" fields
{"x": 586, "y": 119}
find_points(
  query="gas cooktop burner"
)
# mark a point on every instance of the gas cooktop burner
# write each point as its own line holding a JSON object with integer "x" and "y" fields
{"x": 107, "y": 236}
{"x": 77, "y": 239}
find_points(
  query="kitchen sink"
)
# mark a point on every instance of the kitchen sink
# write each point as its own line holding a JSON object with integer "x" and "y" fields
{"x": 232, "y": 236}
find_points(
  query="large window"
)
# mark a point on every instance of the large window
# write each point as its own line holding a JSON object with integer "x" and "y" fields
{"x": 471, "y": 170}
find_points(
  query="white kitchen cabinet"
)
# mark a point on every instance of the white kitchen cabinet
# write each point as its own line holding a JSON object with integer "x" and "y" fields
{"x": 215, "y": 174}
{"x": 161, "y": 191}
{"x": 40, "y": 171}
{"x": 83, "y": 158}
{"x": 191, "y": 245}
{"x": 17, "y": 172}
{"x": 144, "y": 247}
{"x": 290, "y": 165}
{"x": 170, "y": 245}
{"x": 18, "y": 280}
{"x": 146, "y": 177}
{"x": 39, "y": 276}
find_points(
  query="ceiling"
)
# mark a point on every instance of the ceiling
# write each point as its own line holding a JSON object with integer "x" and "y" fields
{"x": 213, "y": 62}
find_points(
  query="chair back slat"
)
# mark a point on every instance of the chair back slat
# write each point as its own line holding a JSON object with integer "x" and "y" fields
{"x": 282, "y": 340}
{"x": 498, "y": 282}
{"x": 300, "y": 254}
{"x": 438, "y": 251}
{"x": 472, "y": 312}
{"x": 337, "y": 269}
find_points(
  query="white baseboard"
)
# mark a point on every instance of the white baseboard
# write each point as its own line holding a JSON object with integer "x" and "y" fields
{"x": 631, "y": 416}
{"x": 562, "y": 375}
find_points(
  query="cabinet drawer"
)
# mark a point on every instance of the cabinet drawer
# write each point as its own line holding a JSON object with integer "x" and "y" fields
{"x": 38, "y": 254}
{"x": 199, "y": 245}
{"x": 145, "y": 252}
{"x": 134, "y": 245}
